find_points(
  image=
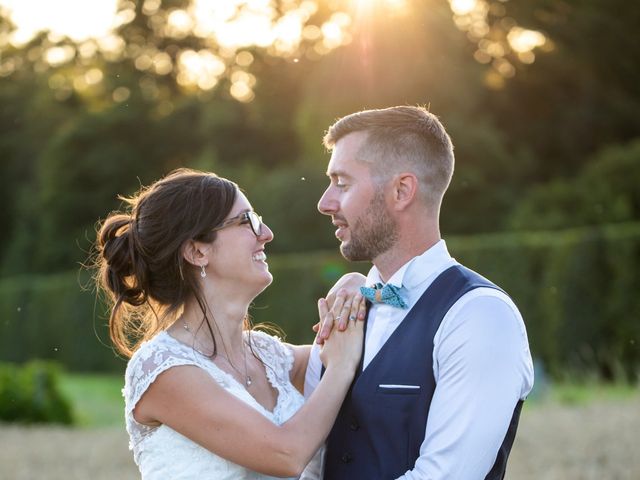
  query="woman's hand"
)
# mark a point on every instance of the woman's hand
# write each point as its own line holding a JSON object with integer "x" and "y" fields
{"x": 344, "y": 347}
{"x": 344, "y": 302}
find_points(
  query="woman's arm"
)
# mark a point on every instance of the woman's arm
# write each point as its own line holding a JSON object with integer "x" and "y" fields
{"x": 189, "y": 401}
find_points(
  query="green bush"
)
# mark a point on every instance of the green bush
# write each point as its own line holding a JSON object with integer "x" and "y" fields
{"x": 604, "y": 191}
{"x": 577, "y": 290}
{"x": 31, "y": 394}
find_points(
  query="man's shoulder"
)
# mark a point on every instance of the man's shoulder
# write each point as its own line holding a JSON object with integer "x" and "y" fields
{"x": 472, "y": 278}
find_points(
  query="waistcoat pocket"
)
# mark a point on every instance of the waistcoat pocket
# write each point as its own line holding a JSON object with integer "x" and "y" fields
{"x": 397, "y": 389}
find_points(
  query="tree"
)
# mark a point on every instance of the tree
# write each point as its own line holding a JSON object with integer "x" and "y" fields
{"x": 583, "y": 94}
{"x": 606, "y": 191}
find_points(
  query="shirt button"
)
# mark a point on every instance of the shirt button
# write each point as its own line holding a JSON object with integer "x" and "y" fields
{"x": 354, "y": 425}
{"x": 346, "y": 457}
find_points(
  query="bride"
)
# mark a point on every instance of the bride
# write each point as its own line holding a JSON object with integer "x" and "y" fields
{"x": 205, "y": 396}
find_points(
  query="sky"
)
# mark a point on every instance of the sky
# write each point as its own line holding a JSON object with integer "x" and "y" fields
{"x": 77, "y": 19}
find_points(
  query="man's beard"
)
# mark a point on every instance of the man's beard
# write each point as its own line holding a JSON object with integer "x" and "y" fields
{"x": 372, "y": 234}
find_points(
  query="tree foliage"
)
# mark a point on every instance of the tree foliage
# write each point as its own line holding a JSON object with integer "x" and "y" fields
{"x": 605, "y": 191}
{"x": 116, "y": 114}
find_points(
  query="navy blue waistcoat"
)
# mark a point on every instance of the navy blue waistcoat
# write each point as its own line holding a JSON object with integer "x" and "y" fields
{"x": 379, "y": 431}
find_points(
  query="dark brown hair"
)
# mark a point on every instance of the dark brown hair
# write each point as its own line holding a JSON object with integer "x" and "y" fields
{"x": 398, "y": 138}
{"x": 139, "y": 252}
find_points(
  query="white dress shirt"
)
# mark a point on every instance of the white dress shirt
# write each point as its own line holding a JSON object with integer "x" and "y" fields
{"x": 481, "y": 364}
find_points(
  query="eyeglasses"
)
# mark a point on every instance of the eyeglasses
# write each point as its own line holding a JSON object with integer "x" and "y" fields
{"x": 250, "y": 217}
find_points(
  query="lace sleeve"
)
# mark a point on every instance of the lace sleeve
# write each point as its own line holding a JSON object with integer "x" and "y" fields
{"x": 278, "y": 358}
{"x": 149, "y": 361}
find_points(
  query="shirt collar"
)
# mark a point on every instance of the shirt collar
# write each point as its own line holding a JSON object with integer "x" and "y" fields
{"x": 416, "y": 270}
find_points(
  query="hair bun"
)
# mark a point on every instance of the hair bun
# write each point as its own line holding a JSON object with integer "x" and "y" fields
{"x": 121, "y": 270}
{"x": 114, "y": 243}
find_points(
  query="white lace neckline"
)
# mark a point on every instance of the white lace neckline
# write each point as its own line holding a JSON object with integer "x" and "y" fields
{"x": 161, "y": 452}
{"x": 271, "y": 378}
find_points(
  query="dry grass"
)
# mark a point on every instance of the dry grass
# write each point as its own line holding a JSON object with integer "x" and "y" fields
{"x": 58, "y": 453}
{"x": 596, "y": 440}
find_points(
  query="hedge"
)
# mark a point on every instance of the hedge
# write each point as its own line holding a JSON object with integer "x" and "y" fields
{"x": 577, "y": 290}
{"x": 53, "y": 317}
{"x": 31, "y": 394}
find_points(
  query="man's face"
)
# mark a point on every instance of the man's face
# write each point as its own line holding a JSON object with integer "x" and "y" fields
{"x": 356, "y": 203}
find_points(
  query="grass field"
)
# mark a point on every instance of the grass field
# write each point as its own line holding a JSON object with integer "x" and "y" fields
{"x": 568, "y": 432}
{"x": 98, "y": 402}
{"x": 97, "y": 399}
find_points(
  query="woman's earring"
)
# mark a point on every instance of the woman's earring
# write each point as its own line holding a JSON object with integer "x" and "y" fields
{"x": 203, "y": 274}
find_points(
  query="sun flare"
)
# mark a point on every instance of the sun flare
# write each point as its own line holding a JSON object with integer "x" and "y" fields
{"x": 379, "y": 7}
{"x": 224, "y": 32}
{"x": 76, "y": 19}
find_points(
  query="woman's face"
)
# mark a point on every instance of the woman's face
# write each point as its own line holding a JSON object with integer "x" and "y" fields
{"x": 238, "y": 253}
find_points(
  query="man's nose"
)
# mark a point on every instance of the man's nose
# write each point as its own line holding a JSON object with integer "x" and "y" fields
{"x": 327, "y": 205}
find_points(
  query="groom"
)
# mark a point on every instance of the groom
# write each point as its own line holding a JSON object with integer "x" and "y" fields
{"x": 446, "y": 362}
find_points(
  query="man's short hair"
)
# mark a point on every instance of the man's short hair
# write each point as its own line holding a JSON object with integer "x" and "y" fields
{"x": 402, "y": 138}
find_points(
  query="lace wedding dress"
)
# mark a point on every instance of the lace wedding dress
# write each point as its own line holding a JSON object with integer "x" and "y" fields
{"x": 162, "y": 453}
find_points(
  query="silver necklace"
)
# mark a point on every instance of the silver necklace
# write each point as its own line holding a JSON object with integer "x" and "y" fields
{"x": 247, "y": 378}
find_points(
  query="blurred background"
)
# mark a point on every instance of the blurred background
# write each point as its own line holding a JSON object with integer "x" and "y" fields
{"x": 541, "y": 98}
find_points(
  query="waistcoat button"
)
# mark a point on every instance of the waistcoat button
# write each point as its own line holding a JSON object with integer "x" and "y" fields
{"x": 346, "y": 457}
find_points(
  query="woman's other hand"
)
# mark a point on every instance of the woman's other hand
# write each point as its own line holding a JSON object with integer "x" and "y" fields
{"x": 344, "y": 348}
{"x": 345, "y": 302}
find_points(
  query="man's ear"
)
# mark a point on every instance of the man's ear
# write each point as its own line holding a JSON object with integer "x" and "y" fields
{"x": 195, "y": 252}
{"x": 405, "y": 189}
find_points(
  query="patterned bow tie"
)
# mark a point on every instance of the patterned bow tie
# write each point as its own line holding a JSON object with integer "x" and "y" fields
{"x": 389, "y": 294}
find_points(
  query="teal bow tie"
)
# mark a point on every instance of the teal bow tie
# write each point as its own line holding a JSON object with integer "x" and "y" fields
{"x": 389, "y": 294}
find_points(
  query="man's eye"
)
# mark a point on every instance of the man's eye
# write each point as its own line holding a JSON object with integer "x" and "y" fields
{"x": 341, "y": 185}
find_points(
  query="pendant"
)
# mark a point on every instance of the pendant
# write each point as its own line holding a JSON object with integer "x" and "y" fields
{"x": 248, "y": 381}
